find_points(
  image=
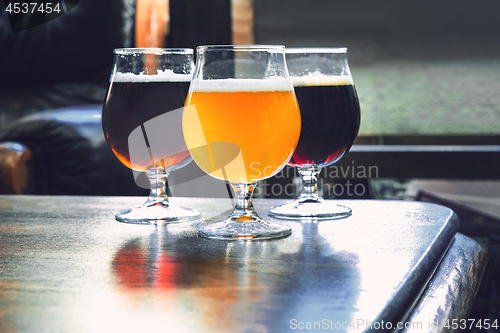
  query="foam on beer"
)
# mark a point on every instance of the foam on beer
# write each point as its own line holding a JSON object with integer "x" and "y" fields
{"x": 320, "y": 79}
{"x": 161, "y": 76}
{"x": 240, "y": 85}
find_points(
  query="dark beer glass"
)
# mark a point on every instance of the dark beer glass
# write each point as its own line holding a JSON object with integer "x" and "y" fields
{"x": 330, "y": 114}
{"x": 141, "y": 121}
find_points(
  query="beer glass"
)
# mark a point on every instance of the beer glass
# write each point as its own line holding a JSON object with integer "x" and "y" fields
{"x": 141, "y": 120}
{"x": 330, "y": 122}
{"x": 241, "y": 124}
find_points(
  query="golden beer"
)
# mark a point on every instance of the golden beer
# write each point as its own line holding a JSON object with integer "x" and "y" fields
{"x": 241, "y": 130}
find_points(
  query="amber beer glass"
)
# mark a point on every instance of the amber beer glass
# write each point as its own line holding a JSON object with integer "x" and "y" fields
{"x": 241, "y": 124}
{"x": 330, "y": 122}
{"x": 141, "y": 121}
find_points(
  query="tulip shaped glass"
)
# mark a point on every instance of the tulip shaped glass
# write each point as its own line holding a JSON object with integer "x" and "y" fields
{"x": 141, "y": 121}
{"x": 330, "y": 113}
{"x": 241, "y": 124}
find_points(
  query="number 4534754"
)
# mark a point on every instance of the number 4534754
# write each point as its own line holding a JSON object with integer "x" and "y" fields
{"x": 470, "y": 323}
{"x": 32, "y": 7}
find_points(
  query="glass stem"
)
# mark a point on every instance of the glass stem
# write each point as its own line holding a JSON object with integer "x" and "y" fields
{"x": 309, "y": 177}
{"x": 243, "y": 192}
{"x": 158, "y": 180}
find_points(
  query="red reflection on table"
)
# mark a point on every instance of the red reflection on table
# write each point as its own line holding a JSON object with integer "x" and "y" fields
{"x": 135, "y": 267}
{"x": 213, "y": 287}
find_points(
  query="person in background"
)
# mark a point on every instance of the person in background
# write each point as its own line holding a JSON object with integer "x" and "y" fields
{"x": 61, "y": 62}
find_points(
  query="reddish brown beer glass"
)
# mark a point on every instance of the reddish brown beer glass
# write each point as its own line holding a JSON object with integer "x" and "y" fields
{"x": 141, "y": 121}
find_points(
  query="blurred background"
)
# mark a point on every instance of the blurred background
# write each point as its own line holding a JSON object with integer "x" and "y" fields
{"x": 421, "y": 68}
{"x": 424, "y": 68}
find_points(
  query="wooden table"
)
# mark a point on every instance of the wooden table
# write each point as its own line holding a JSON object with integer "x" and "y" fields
{"x": 67, "y": 266}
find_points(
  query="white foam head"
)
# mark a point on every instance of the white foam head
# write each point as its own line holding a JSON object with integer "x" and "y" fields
{"x": 161, "y": 76}
{"x": 319, "y": 79}
{"x": 239, "y": 85}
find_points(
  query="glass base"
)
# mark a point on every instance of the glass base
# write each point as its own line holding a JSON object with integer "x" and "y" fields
{"x": 244, "y": 227}
{"x": 154, "y": 211}
{"x": 316, "y": 208}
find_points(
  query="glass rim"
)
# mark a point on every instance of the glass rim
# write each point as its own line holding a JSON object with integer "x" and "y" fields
{"x": 341, "y": 49}
{"x": 152, "y": 50}
{"x": 248, "y": 47}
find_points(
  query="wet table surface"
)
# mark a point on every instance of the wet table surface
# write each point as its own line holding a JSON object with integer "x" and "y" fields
{"x": 67, "y": 266}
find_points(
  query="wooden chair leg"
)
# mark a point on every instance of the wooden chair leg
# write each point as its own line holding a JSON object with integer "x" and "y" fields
{"x": 151, "y": 23}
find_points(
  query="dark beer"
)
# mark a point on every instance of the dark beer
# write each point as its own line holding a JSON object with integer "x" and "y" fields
{"x": 330, "y": 121}
{"x": 132, "y": 101}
